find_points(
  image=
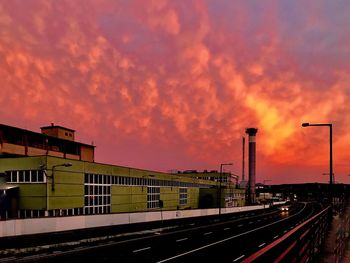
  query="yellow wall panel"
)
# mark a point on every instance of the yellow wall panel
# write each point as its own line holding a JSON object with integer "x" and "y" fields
{"x": 68, "y": 190}
{"x": 120, "y": 190}
{"x": 66, "y": 202}
{"x": 37, "y": 189}
{"x": 68, "y": 177}
{"x": 37, "y": 203}
{"x": 121, "y": 199}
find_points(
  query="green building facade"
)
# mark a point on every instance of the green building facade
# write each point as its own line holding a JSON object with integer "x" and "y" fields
{"x": 53, "y": 186}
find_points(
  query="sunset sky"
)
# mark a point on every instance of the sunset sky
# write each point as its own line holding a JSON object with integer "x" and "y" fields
{"x": 173, "y": 84}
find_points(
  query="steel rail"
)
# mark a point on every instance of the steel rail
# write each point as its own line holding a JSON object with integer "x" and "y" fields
{"x": 264, "y": 250}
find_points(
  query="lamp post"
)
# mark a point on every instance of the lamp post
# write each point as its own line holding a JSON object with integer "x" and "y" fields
{"x": 236, "y": 178}
{"x": 220, "y": 179}
{"x": 53, "y": 175}
{"x": 334, "y": 181}
{"x": 264, "y": 191}
{"x": 43, "y": 168}
{"x": 330, "y": 155}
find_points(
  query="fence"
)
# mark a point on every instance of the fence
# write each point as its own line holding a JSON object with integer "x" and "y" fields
{"x": 302, "y": 244}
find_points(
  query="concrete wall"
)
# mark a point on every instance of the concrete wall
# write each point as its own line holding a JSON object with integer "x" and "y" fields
{"x": 19, "y": 227}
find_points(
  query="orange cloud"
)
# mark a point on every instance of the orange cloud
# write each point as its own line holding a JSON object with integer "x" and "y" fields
{"x": 179, "y": 81}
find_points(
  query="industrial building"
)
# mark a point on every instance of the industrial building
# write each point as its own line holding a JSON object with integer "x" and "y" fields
{"x": 53, "y": 140}
{"x": 50, "y": 174}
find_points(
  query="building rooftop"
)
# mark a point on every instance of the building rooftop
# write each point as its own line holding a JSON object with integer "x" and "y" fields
{"x": 54, "y": 140}
{"x": 56, "y": 126}
{"x": 25, "y": 131}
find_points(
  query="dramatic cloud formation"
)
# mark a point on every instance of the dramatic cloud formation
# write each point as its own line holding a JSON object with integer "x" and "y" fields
{"x": 173, "y": 84}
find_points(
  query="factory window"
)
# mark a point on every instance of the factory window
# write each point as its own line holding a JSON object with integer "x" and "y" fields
{"x": 183, "y": 196}
{"x": 136, "y": 181}
{"x": 153, "y": 197}
{"x": 41, "y": 177}
{"x": 20, "y": 176}
{"x": 97, "y": 194}
{"x": 34, "y": 176}
{"x": 13, "y": 177}
{"x": 25, "y": 176}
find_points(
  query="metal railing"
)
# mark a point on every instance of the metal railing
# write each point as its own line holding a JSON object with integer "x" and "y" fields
{"x": 302, "y": 244}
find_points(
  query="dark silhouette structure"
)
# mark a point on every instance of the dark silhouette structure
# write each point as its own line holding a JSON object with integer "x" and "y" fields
{"x": 251, "y": 164}
{"x": 306, "y": 124}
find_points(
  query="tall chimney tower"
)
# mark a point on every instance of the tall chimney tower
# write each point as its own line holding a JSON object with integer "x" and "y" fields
{"x": 251, "y": 164}
{"x": 243, "y": 156}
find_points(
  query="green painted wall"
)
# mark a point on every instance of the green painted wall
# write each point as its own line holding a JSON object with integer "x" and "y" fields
{"x": 69, "y": 186}
{"x": 30, "y": 202}
{"x": 170, "y": 197}
{"x": 26, "y": 163}
{"x": 65, "y": 202}
{"x": 125, "y": 199}
{"x": 193, "y": 197}
{"x": 32, "y": 196}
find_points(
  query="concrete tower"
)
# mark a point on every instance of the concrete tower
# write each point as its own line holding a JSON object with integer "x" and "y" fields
{"x": 251, "y": 164}
{"x": 243, "y": 156}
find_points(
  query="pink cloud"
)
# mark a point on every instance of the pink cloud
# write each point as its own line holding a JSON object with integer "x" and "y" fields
{"x": 174, "y": 84}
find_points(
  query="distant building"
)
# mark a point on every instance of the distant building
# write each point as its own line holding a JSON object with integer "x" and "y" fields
{"x": 243, "y": 184}
{"x": 231, "y": 194}
{"x": 212, "y": 175}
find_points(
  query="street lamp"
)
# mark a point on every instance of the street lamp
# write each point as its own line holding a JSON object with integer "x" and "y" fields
{"x": 334, "y": 181}
{"x": 220, "y": 179}
{"x": 264, "y": 181}
{"x": 53, "y": 175}
{"x": 236, "y": 178}
{"x": 330, "y": 155}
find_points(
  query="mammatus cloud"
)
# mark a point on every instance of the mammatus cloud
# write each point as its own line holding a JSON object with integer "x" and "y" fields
{"x": 174, "y": 84}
